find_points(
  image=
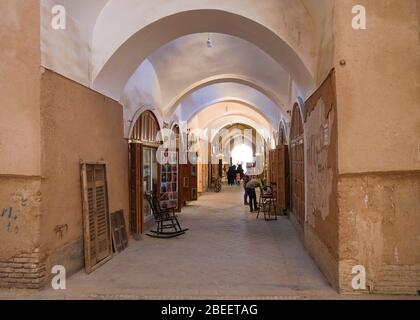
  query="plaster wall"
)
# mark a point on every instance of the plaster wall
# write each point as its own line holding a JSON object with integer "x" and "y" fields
{"x": 380, "y": 230}
{"x": 321, "y": 227}
{"x": 19, "y": 228}
{"x": 77, "y": 124}
{"x": 378, "y": 145}
{"x": 20, "y": 177}
{"x": 19, "y": 88}
{"x": 229, "y": 56}
{"x": 326, "y": 41}
{"x": 378, "y": 90}
{"x": 295, "y": 27}
{"x": 68, "y": 51}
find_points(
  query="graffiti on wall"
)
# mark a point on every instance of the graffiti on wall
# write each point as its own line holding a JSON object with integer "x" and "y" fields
{"x": 60, "y": 230}
{"x": 10, "y": 218}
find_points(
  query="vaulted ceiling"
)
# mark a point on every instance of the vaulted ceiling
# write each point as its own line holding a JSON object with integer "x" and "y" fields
{"x": 264, "y": 54}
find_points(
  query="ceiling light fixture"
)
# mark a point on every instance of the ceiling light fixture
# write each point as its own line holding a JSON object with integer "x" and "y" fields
{"x": 209, "y": 43}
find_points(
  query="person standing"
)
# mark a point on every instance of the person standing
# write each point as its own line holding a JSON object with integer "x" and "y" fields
{"x": 231, "y": 175}
{"x": 239, "y": 174}
{"x": 234, "y": 175}
{"x": 246, "y": 179}
{"x": 250, "y": 189}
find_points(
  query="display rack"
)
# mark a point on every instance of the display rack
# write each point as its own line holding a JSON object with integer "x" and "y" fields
{"x": 169, "y": 182}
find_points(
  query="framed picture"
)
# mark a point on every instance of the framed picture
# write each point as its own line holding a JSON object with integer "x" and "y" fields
{"x": 169, "y": 181}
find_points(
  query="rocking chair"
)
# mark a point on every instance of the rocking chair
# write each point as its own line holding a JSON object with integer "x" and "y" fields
{"x": 167, "y": 224}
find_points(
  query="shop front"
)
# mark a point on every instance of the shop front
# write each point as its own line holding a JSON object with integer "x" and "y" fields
{"x": 144, "y": 171}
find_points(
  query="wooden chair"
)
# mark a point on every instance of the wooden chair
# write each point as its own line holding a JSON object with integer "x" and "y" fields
{"x": 167, "y": 223}
{"x": 268, "y": 203}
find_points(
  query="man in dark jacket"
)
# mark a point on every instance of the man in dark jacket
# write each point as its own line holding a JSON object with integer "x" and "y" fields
{"x": 246, "y": 179}
{"x": 231, "y": 175}
{"x": 250, "y": 189}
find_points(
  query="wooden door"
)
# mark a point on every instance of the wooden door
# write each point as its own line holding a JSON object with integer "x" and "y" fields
{"x": 278, "y": 175}
{"x": 194, "y": 182}
{"x": 297, "y": 167}
{"x": 189, "y": 182}
{"x": 96, "y": 217}
{"x": 136, "y": 189}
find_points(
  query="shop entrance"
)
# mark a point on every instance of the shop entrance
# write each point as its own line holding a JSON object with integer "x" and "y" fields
{"x": 150, "y": 178}
{"x": 144, "y": 171}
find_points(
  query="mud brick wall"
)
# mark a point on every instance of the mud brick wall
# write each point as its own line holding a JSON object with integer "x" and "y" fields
{"x": 380, "y": 229}
{"x": 24, "y": 271}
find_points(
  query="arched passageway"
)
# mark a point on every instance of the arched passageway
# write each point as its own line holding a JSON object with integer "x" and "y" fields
{"x": 242, "y": 154}
{"x": 121, "y": 70}
{"x": 163, "y": 72}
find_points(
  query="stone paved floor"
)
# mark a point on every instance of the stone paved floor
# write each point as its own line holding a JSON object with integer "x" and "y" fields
{"x": 226, "y": 254}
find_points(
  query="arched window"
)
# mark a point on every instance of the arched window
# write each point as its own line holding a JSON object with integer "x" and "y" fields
{"x": 146, "y": 128}
{"x": 296, "y": 130}
{"x": 282, "y": 135}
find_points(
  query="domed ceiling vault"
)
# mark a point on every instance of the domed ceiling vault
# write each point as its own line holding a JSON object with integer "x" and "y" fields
{"x": 263, "y": 54}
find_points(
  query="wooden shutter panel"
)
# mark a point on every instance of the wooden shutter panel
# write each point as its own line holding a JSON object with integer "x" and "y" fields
{"x": 119, "y": 233}
{"x": 96, "y": 219}
{"x": 102, "y": 215}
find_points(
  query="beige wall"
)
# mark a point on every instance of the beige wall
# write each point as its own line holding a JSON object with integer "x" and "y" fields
{"x": 19, "y": 126}
{"x": 378, "y": 97}
{"x": 21, "y": 231}
{"x": 378, "y": 90}
{"x": 325, "y": 53}
{"x": 19, "y": 88}
{"x": 380, "y": 229}
{"x": 77, "y": 124}
{"x": 20, "y": 258}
